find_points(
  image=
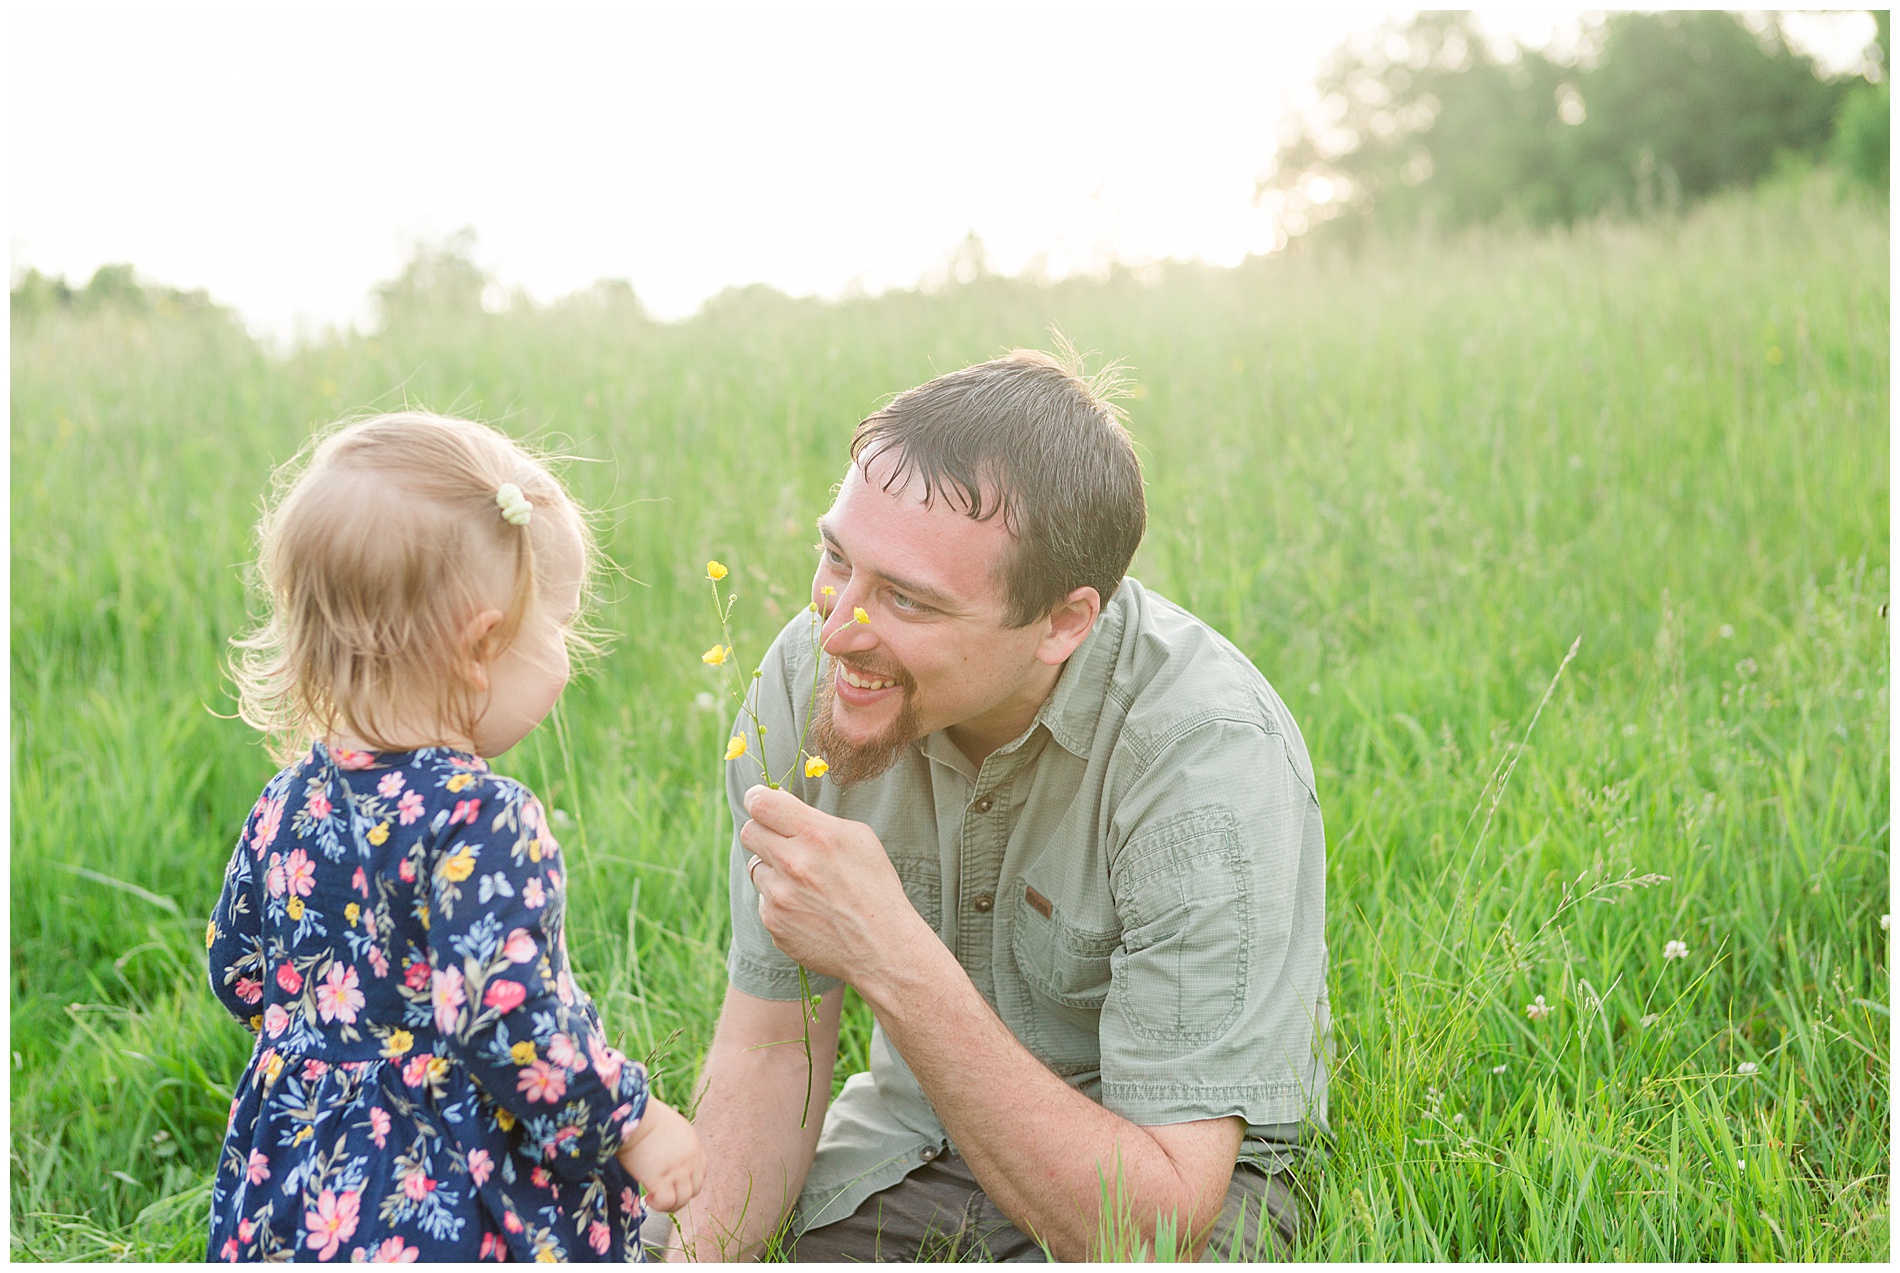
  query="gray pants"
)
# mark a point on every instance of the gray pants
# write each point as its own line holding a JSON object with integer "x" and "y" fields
{"x": 939, "y": 1213}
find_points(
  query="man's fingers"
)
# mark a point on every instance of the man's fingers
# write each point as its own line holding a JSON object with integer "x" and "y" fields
{"x": 763, "y": 842}
{"x": 782, "y": 811}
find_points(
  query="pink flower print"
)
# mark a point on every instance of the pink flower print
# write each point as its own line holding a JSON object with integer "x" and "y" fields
{"x": 330, "y": 1222}
{"x": 360, "y": 882}
{"x": 229, "y": 1251}
{"x": 628, "y": 1198}
{"x": 409, "y": 808}
{"x": 379, "y": 1125}
{"x": 314, "y": 1069}
{"x": 505, "y": 996}
{"x": 562, "y": 1052}
{"x": 300, "y": 873}
{"x": 465, "y": 811}
{"x": 289, "y": 978}
{"x": 407, "y": 870}
{"x": 416, "y": 975}
{"x": 445, "y": 990}
{"x": 275, "y": 1020}
{"x": 230, "y": 1119}
{"x": 416, "y": 1069}
{"x": 378, "y": 961}
{"x": 245, "y": 1230}
{"x": 539, "y": 1178}
{"x": 392, "y": 1251}
{"x": 598, "y": 1237}
{"x": 607, "y": 1062}
{"x": 542, "y": 1082}
{"x": 389, "y": 784}
{"x": 257, "y": 1171}
{"x": 369, "y": 922}
{"x": 533, "y": 896}
{"x": 274, "y": 876}
{"x": 270, "y": 817}
{"x": 318, "y": 806}
{"x": 249, "y": 989}
{"x": 416, "y": 1186}
{"x": 353, "y": 760}
{"x": 511, "y": 1222}
{"x": 520, "y": 947}
{"x": 564, "y": 987}
{"x": 488, "y": 1245}
{"x": 338, "y": 997}
{"x": 479, "y": 1165}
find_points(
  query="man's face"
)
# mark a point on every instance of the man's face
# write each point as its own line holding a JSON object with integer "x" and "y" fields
{"x": 934, "y": 653}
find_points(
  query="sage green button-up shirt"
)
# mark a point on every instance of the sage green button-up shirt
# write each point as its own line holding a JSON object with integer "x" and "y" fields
{"x": 1136, "y": 884}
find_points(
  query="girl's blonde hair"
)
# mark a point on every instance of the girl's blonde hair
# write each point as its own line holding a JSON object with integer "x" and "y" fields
{"x": 384, "y": 540}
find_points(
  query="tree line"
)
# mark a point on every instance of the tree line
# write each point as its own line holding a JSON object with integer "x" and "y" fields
{"x": 1431, "y": 122}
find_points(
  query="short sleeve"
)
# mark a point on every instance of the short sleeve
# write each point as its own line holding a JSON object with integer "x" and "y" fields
{"x": 1216, "y": 1001}
{"x": 500, "y": 989}
{"x": 754, "y": 963}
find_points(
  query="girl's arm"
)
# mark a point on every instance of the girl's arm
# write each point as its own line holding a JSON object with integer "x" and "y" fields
{"x": 234, "y": 939}
{"x": 500, "y": 988}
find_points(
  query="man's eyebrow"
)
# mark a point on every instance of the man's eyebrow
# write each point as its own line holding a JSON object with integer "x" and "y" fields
{"x": 920, "y": 591}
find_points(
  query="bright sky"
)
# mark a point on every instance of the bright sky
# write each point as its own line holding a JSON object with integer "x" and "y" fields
{"x": 285, "y": 156}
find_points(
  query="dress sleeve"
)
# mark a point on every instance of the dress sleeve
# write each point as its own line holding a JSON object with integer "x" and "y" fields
{"x": 234, "y": 939}
{"x": 500, "y": 988}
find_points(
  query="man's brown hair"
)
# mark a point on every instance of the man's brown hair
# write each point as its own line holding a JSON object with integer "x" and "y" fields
{"x": 1026, "y": 436}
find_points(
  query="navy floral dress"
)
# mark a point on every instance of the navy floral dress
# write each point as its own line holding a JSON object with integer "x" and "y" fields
{"x": 428, "y": 1082}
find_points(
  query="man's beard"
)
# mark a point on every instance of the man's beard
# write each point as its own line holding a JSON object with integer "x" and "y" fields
{"x": 854, "y": 762}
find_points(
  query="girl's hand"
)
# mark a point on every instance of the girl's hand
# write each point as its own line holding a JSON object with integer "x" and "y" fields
{"x": 664, "y": 1155}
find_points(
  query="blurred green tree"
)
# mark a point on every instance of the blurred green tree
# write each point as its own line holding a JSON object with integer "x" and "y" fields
{"x": 1434, "y": 122}
{"x": 439, "y": 278}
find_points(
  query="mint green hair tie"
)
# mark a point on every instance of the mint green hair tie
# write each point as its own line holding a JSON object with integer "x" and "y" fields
{"x": 515, "y": 507}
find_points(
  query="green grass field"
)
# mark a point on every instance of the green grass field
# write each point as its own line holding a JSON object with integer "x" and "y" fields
{"x": 1403, "y": 482}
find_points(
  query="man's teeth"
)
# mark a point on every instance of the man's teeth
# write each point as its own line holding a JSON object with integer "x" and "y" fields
{"x": 863, "y": 682}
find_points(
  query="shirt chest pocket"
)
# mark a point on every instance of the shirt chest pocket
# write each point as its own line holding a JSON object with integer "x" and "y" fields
{"x": 1064, "y": 961}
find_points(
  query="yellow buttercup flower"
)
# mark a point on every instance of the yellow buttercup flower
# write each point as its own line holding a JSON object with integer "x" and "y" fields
{"x": 378, "y": 833}
{"x": 857, "y": 612}
{"x": 257, "y": 1022}
{"x": 715, "y": 571}
{"x": 294, "y": 907}
{"x": 458, "y": 866}
{"x": 735, "y": 748}
{"x": 815, "y": 766}
{"x": 717, "y": 655}
{"x": 398, "y": 1043}
{"x": 460, "y": 781}
{"x": 828, "y": 591}
{"x": 523, "y": 1052}
{"x": 350, "y": 913}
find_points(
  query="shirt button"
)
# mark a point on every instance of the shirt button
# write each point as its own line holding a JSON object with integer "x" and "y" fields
{"x": 983, "y": 805}
{"x": 929, "y": 1155}
{"x": 983, "y": 904}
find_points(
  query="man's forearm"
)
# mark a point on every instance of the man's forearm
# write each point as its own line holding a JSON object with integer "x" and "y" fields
{"x": 751, "y": 1091}
{"x": 1041, "y": 1149}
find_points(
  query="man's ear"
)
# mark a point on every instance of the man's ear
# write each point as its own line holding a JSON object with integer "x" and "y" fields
{"x": 474, "y": 666}
{"x": 1068, "y": 625}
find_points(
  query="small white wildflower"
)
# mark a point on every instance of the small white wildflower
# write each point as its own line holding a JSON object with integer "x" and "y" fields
{"x": 1651, "y": 1019}
{"x": 704, "y": 701}
{"x": 1726, "y": 632}
{"x": 1539, "y": 1010}
{"x": 1886, "y": 923}
{"x": 1740, "y": 1165}
{"x": 1676, "y": 950}
{"x": 1746, "y": 1067}
{"x": 1457, "y": 1118}
{"x": 562, "y": 818}
{"x": 1498, "y": 1069}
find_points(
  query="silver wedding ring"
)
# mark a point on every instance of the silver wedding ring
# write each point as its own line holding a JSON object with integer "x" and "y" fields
{"x": 750, "y": 869}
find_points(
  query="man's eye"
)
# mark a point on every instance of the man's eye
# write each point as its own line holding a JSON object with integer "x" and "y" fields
{"x": 903, "y": 602}
{"x": 831, "y": 555}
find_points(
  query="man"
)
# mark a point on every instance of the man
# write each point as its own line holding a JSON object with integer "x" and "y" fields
{"x": 1068, "y": 851}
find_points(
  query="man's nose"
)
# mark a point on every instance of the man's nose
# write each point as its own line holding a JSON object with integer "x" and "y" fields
{"x": 842, "y": 633}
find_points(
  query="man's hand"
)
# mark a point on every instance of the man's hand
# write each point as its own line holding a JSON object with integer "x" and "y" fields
{"x": 663, "y": 1154}
{"x": 827, "y": 891}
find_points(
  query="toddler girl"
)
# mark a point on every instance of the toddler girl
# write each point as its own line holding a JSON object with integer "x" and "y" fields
{"x": 428, "y": 1082}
